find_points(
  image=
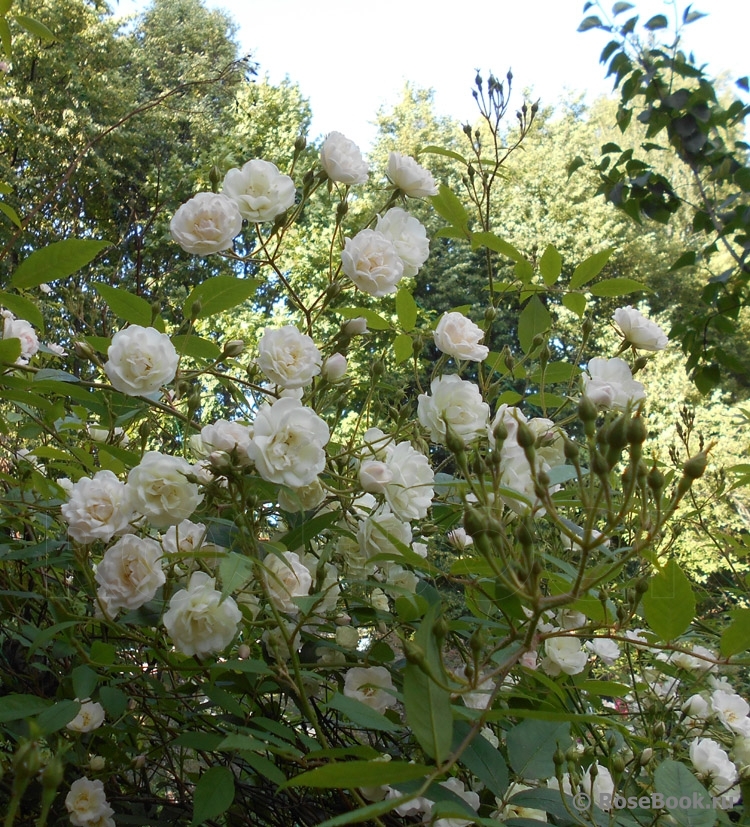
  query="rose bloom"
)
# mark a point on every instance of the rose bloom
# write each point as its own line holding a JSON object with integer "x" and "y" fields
{"x": 409, "y": 490}
{"x": 161, "y": 490}
{"x": 372, "y": 534}
{"x": 141, "y": 360}
{"x": 342, "y": 160}
{"x": 23, "y": 331}
{"x": 732, "y": 710}
{"x": 287, "y": 357}
{"x": 129, "y": 574}
{"x": 411, "y": 178}
{"x": 638, "y": 330}
{"x": 564, "y": 654}
{"x": 97, "y": 508}
{"x": 712, "y": 762}
{"x": 372, "y": 262}
{"x": 369, "y": 686}
{"x": 286, "y": 577}
{"x": 456, "y": 401}
{"x": 198, "y": 620}
{"x": 87, "y": 805}
{"x": 408, "y": 236}
{"x": 334, "y": 368}
{"x": 207, "y": 223}
{"x": 459, "y": 337}
{"x": 184, "y": 538}
{"x": 605, "y": 649}
{"x": 610, "y": 383}
{"x": 260, "y": 191}
{"x": 227, "y": 440}
{"x": 288, "y": 443}
{"x": 90, "y": 717}
{"x": 374, "y": 475}
{"x": 302, "y": 499}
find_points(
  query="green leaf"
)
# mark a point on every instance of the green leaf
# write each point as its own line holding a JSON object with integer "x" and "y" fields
{"x": 22, "y": 308}
{"x": 17, "y": 707}
{"x": 235, "y": 571}
{"x": 196, "y": 348}
{"x": 619, "y": 8}
{"x": 353, "y": 774}
{"x": 56, "y": 261}
{"x": 56, "y": 717}
{"x": 126, "y": 305}
{"x": 736, "y": 637}
{"x": 10, "y": 350}
{"x": 361, "y": 714}
{"x": 550, "y": 265}
{"x": 403, "y": 347}
{"x": 218, "y": 294}
{"x": 447, "y": 205}
{"x": 7, "y": 40}
{"x": 482, "y": 759}
{"x": 214, "y": 794}
{"x": 5, "y": 6}
{"x": 374, "y": 321}
{"x": 590, "y": 268}
{"x": 658, "y": 21}
{"x": 497, "y": 244}
{"x": 34, "y": 27}
{"x": 5, "y": 208}
{"x": 84, "y": 681}
{"x": 531, "y": 745}
{"x": 685, "y": 260}
{"x": 575, "y": 302}
{"x": 428, "y": 712}
{"x": 592, "y": 22}
{"x": 619, "y": 287}
{"x": 669, "y": 603}
{"x": 524, "y": 273}
{"x": 534, "y": 319}
{"x": 406, "y": 310}
{"x": 574, "y": 165}
{"x": 298, "y": 537}
{"x": 675, "y": 781}
{"x": 362, "y": 815}
{"x": 448, "y": 153}
{"x": 114, "y": 700}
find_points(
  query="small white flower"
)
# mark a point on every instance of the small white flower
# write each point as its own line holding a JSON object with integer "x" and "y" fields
{"x": 370, "y": 686}
{"x": 334, "y": 368}
{"x": 638, "y": 330}
{"x": 610, "y": 383}
{"x": 23, "y": 331}
{"x": 564, "y": 654}
{"x": 286, "y": 577}
{"x": 459, "y": 539}
{"x": 411, "y": 178}
{"x": 409, "y": 491}
{"x": 90, "y": 717}
{"x": 732, "y": 710}
{"x": 342, "y": 160}
{"x": 230, "y": 440}
{"x": 87, "y": 805}
{"x": 97, "y": 508}
{"x": 206, "y": 224}
{"x": 140, "y": 360}
{"x": 605, "y": 649}
{"x": 161, "y": 490}
{"x": 459, "y": 337}
{"x": 260, "y": 191}
{"x": 457, "y": 402}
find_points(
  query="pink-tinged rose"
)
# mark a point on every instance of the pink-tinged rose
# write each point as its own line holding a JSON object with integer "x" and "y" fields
{"x": 207, "y": 223}
{"x": 459, "y": 337}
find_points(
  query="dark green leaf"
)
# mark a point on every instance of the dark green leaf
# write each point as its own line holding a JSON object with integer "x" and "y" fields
{"x": 5, "y": 208}
{"x": 550, "y": 265}
{"x": 299, "y": 537}
{"x": 669, "y": 603}
{"x": 362, "y": 815}
{"x": 531, "y": 745}
{"x": 52, "y": 375}
{"x": 589, "y": 268}
{"x": 575, "y": 164}
{"x": 56, "y": 261}
{"x": 690, "y": 16}
{"x": 675, "y": 781}
{"x": 218, "y": 294}
{"x": 428, "y": 712}
{"x": 235, "y": 571}
{"x": 736, "y": 637}
{"x": 84, "y": 681}
{"x": 619, "y": 287}
{"x": 619, "y": 8}
{"x": 56, "y": 717}
{"x": 353, "y": 774}
{"x": 406, "y": 310}
{"x": 482, "y": 759}
{"x": 361, "y": 714}
{"x": 22, "y": 308}
{"x": 592, "y": 22}
{"x": 534, "y": 319}
{"x": 126, "y": 305}
{"x": 6, "y": 38}
{"x": 114, "y": 700}
{"x": 685, "y": 260}
{"x": 439, "y": 150}
{"x": 214, "y": 794}
{"x": 17, "y": 707}
{"x": 658, "y": 21}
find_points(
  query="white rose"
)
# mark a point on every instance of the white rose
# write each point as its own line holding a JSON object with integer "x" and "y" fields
{"x": 712, "y": 762}
{"x": 260, "y": 191}
{"x": 87, "y": 805}
{"x": 377, "y": 444}
{"x": 161, "y": 490}
{"x": 23, "y": 331}
{"x": 372, "y": 534}
{"x": 400, "y": 579}
{"x": 97, "y": 508}
{"x": 206, "y": 224}
{"x": 732, "y": 710}
{"x": 355, "y": 327}
{"x": 457, "y": 402}
{"x": 287, "y": 357}
{"x": 141, "y": 360}
{"x": 605, "y": 649}
{"x": 697, "y": 707}
{"x": 288, "y": 443}
{"x": 371, "y": 261}
{"x": 411, "y": 178}
{"x": 342, "y": 160}
{"x": 198, "y": 620}
{"x": 90, "y": 717}
{"x": 302, "y": 499}
{"x": 509, "y": 416}
{"x": 129, "y": 574}
{"x": 638, "y": 330}
{"x": 334, "y": 368}
{"x": 286, "y": 577}
{"x": 184, "y": 538}
{"x": 459, "y": 539}
{"x": 550, "y": 446}
{"x": 564, "y": 654}
{"x": 610, "y": 383}
{"x": 408, "y": 236}
{"x": 459, "y": 337}
{"x": 374, "y": 475}
{"x": 371, "y": 686}
{"x": 230, "y": 440}
{"x": 409, "y": 491}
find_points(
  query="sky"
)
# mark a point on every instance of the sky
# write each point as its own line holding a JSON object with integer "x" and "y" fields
{"x": 350, "y": 57}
